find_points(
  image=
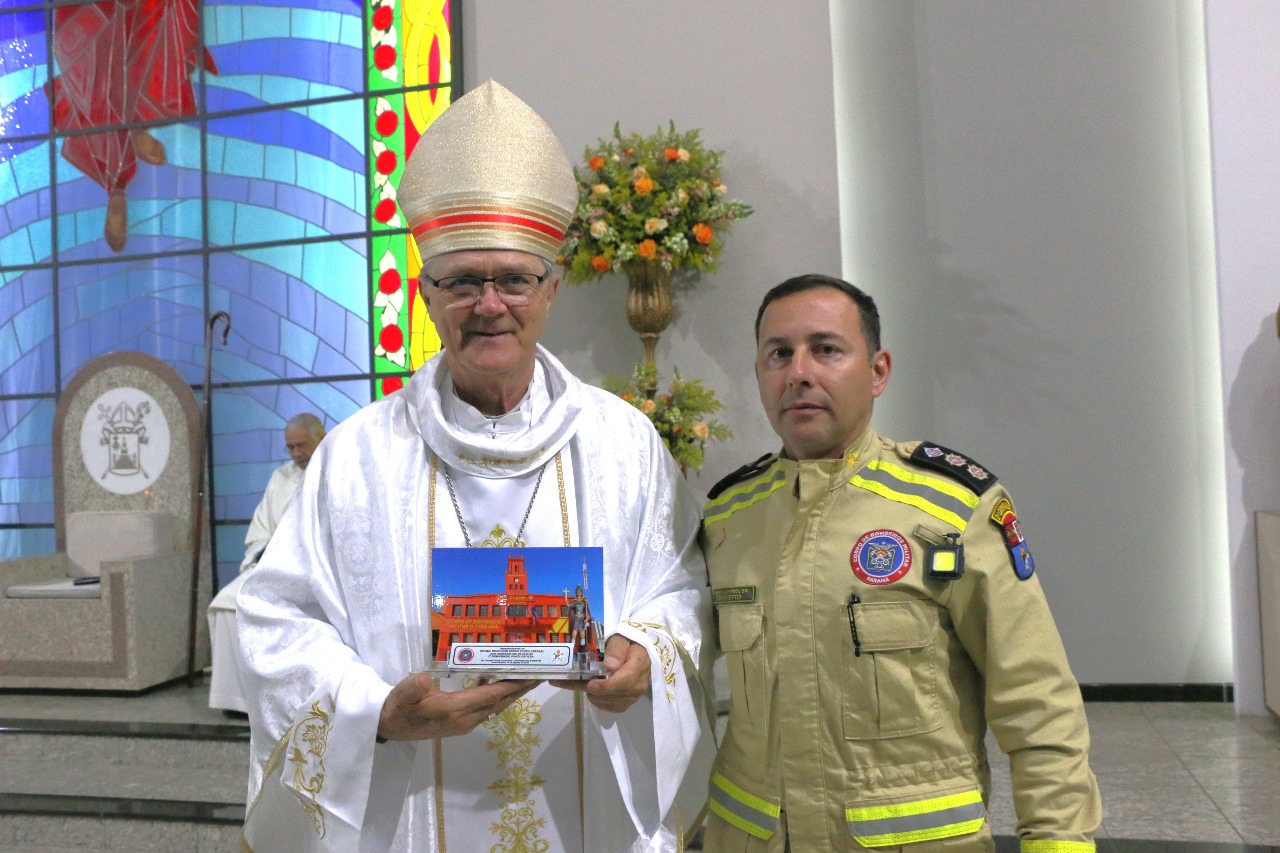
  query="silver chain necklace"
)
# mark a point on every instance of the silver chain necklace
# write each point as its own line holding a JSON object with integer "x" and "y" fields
{"x": 466, "y": 537}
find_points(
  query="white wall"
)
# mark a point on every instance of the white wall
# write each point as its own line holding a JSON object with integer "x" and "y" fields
{"x": 1025, "y": 190}
{"x": 1244, "y": 83}
{"x": 756, "y": 77}
{"x": 1025, "y": 185}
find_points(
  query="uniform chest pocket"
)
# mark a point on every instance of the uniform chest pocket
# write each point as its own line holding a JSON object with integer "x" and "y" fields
{"x": 892, "y": 689}
{"x": 740, "y": 636}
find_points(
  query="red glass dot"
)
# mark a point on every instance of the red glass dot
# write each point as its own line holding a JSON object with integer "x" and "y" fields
{"x": 389, "y": 281}
{"x": 388, "y": 122}
{"x": 384, "y": 56}
{"x": 391, "y": 338}
{"x": 383, "y": 18}
{"x": 387, "y": 162}
{"x": 392, "y": 384}
{"x": 385, "y": 210}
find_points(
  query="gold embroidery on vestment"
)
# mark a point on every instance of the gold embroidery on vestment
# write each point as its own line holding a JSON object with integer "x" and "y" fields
{"x": 514, "y": 738}
{"x": 498, "y": 538}
{"x": 308, "y": 741}
{"x": 490, "y": 461}
{"x": 665, "y": 647}
{"x": 512, "y": 732}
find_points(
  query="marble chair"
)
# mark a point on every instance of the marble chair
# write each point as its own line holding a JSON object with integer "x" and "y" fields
{"x": 125, "y": 436}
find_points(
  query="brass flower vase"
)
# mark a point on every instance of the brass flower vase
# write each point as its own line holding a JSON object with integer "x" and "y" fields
{"x": 649, "y": 306}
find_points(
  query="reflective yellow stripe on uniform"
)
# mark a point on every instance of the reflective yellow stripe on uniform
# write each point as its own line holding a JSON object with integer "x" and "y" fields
{"x": 922, "y": 820}
{"x": 744, "y": 810}
{"x": 745, "y": 495}
{"x": 943, "y": 500}
{"x": 1057, "y": 847}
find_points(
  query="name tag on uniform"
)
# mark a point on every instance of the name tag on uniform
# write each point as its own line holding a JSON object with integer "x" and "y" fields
{"x": 733, "y": 595}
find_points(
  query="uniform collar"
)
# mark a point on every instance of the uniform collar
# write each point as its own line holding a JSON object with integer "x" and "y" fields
{"x": 833, "y": 473}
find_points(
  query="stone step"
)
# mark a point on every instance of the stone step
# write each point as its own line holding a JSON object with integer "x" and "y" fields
{"x": 29, "y": 824}
{"x": 87, "y": 785}
{"x": 185, "y": 762}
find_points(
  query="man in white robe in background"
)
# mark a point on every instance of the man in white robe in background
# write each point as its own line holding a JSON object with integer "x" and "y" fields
{"x": 302, "y": 435}
{"x": 492, "y": 442}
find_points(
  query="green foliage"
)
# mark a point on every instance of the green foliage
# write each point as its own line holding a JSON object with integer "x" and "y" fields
{"x": 648, "y": 198}
{"x": 680, "y": 414}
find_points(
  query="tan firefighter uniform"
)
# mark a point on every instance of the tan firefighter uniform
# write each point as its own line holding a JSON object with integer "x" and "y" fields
{"x": 862, "y": 688}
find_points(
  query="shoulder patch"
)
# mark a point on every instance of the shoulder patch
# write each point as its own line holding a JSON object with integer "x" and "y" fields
{"x": 746, "y": 472}
{"x": 955, "y": 465}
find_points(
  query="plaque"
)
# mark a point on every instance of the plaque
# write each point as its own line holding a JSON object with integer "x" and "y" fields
{"x": 527, "y": 613}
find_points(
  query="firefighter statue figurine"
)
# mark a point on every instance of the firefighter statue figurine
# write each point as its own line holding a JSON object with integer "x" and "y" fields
{"x": 580, "y": 628}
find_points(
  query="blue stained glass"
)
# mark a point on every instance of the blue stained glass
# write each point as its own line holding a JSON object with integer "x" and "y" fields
{"x": 298, "y": 344}
{"x": 26, "y": 423}
{"x": 95, "y": 320}
{"x": 26, "y": 464}
{"x": 230, "y": 544}
{"x": 338, "y": 273}
{"x": 270, "y": 288}
{"x": 329, "y": 362}
{"x": 274, "y": 174}
{"x": 248, "y": 426}
{"x": 23, "y": 543}
{"x": 26, "y": 113}
{"x": 24, "y": 168}
{"x": 28, "y": 23}
{"x": 26, "y": 333}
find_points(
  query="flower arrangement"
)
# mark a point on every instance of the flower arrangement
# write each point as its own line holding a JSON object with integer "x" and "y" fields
{"x": 679, "y": 415}
{"x": 652, "y": 198}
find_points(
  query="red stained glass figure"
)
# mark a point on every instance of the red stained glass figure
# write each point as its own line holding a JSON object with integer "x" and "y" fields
{"x": 122, "y": 62}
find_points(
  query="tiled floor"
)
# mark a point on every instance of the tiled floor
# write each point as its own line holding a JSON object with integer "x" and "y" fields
{"x": 1176, "y": 772}
{"x": 1169, "y": 772}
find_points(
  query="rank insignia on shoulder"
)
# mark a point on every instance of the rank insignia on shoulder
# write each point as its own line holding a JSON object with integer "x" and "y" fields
{"x": 746, "y": 472}
{"x": 955, "y": 465}
{"x": 1024, "y": 566}
{"x": 733, "y": 595}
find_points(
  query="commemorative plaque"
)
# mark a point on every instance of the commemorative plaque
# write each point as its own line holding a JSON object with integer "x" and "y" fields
{"x": 527, "y": 613}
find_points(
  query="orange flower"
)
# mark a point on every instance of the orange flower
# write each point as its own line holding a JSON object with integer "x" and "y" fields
{"x": 600, "y": 263}
{"x": 672, "y": 155}
{"x": 648, "y": 406}
{"x": 647, "y": 250}
{"x": 628, "y": 396}
{"x": 596, "y": 163}
{"x": 630, "y": 152}
{"x": 644, "y": 186}
{"x": 701, "y": 430}
{"x": 702, "y": 233}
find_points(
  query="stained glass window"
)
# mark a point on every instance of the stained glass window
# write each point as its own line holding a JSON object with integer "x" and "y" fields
{"x": 163, "y": 162}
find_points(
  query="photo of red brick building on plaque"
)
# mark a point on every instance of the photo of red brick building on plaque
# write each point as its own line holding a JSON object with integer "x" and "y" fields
{"x": 512, "y": 613}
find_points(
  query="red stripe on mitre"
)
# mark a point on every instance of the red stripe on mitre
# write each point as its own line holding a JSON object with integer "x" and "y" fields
{"x": 478, "y": 218}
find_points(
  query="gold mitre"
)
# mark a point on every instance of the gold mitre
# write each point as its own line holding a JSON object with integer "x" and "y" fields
{"x": 489, "y": 173}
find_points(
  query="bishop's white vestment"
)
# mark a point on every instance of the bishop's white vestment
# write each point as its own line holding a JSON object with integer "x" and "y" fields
{"x": 339, "y": 610}
{"x": 224, "y": 673}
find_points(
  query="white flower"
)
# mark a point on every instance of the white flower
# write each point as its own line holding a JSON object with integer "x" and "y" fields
{"x": 683, "y": 155}
{"x": 653, "y": 225}
{"x": 598, "y": 228}
{"x": 721, "y": 189}
{"x": 600, "y": 189}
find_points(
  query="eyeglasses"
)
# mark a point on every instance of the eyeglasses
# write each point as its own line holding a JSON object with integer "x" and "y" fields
{"x": 514, "y": 289}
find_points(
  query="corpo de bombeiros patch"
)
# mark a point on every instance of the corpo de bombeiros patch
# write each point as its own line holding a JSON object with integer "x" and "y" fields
{"x": 880, "y": 557}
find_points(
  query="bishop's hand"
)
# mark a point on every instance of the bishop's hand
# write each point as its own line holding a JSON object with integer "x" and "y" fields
{"x": 626, "y": 666}
{"x": 414, "y": 710}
